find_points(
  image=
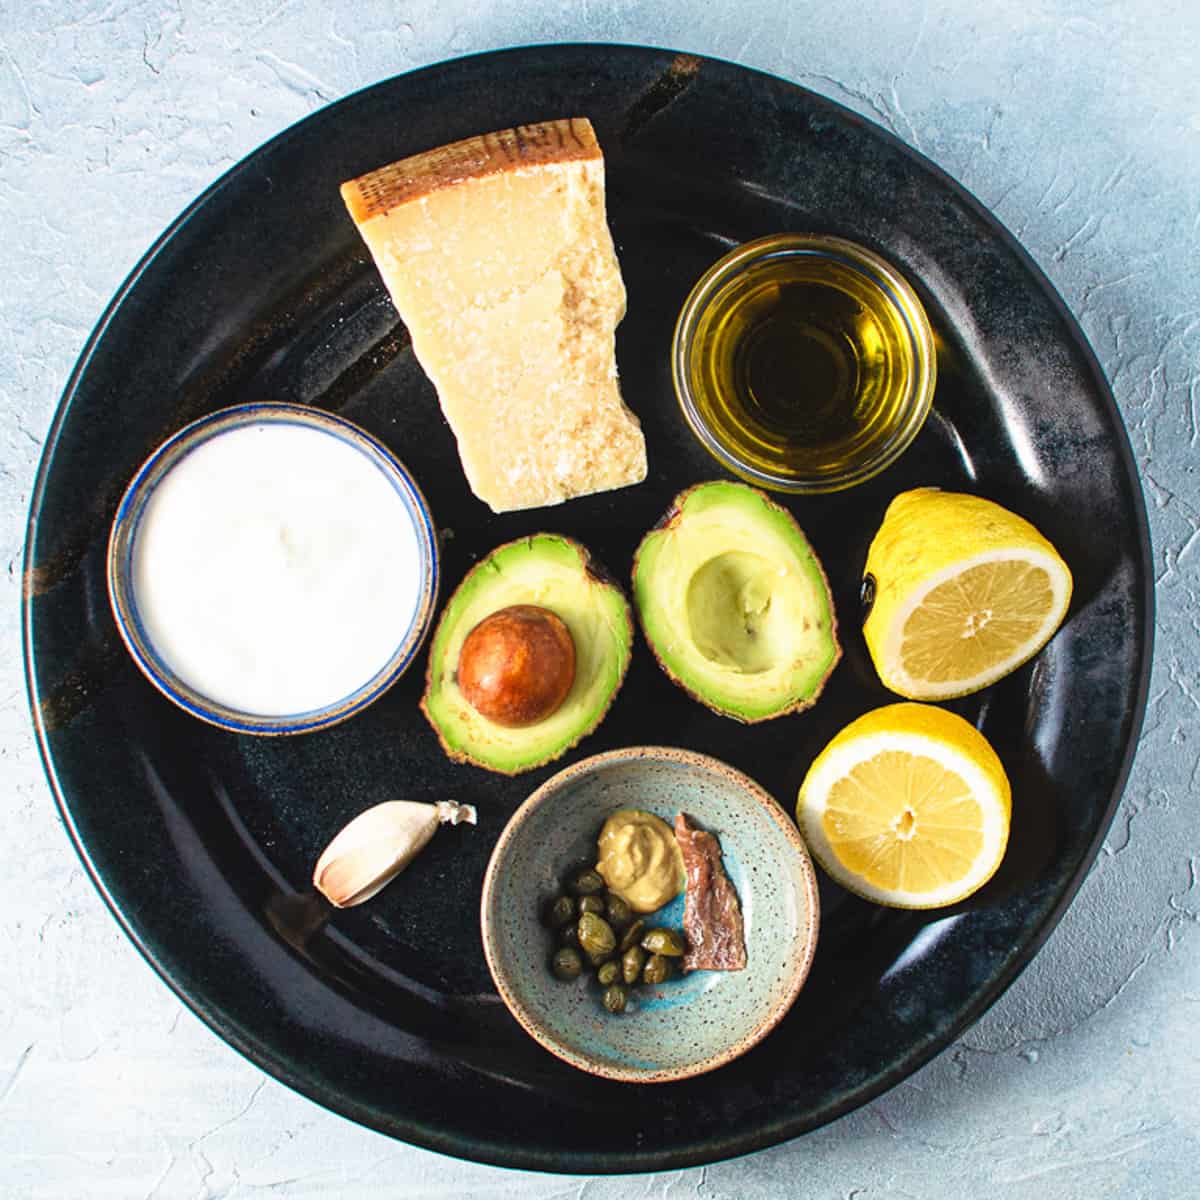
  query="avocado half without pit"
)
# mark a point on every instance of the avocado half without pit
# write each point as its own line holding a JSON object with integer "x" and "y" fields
{"x": 528, "y": 655}
{"x": 735, "y": 604}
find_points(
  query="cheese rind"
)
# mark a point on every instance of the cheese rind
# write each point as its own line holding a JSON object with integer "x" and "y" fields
{"x": 498, "y": 257}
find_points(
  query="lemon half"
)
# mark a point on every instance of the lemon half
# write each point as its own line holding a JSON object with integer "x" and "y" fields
{"x": 965, "y": 592}
{"x": 908, "y": 806}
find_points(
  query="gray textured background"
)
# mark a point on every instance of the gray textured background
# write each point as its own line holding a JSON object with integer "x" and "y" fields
{"x": 1078, "y": 123}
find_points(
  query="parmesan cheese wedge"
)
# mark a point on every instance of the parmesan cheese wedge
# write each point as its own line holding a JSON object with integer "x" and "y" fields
{"x": 498, "y": 257}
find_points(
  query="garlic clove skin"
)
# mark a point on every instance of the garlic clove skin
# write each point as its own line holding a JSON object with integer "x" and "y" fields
{"x": 378, "y": 844}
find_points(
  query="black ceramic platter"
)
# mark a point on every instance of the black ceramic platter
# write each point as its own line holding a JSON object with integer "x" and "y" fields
{"x": 203, "y": 842}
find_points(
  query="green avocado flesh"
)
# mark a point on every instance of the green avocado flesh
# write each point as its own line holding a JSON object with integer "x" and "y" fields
{"x": 735, "y": 604}
{"x": 555, "y": 573}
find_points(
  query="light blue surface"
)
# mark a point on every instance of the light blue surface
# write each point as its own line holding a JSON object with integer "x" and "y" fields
{"x": 1078, "y": 123}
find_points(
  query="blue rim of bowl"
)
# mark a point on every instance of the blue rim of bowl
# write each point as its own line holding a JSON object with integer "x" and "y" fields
{"x": 808, "y": 881}
{"x": 124, "y": 531}
{"x": 866, "y": 263}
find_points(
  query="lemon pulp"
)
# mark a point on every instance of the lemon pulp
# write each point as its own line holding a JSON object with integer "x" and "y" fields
{"x": 908, "y": 806}
{"x": 965, "y": 592}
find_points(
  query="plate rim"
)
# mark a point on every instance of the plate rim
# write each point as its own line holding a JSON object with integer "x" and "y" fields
{"x": 709, "y": 1150}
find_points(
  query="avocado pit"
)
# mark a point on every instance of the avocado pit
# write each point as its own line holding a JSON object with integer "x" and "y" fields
{"x": 517, "y": 665}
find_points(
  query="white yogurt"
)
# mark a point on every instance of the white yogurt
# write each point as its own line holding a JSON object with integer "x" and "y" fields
{"x": 276, "y": 569}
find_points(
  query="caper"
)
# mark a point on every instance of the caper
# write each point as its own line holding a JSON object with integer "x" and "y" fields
{"x": 568, "y": 934}
{"x": 596, "y": 938}
{"x": 585, "y": 882}
{"x": 631, "y": 936}
{"x": 559, "y": 911}
{"x": 592, "y": 904}
{"x": 608, "y": 972}
{"x": 617, "y": 910}
{"x": 615, "y": 997}
{"x": 656, "y": 970}
{"x": 632, "y": 962}
{"x": 566, "y": 964}
{"x": 664, "y": 941}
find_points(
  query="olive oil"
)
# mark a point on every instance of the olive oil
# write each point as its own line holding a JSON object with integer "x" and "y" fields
{"x": 804, "y": 363}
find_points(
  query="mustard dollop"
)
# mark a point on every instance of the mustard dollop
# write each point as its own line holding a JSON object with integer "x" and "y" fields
{"x": 640, "y": 860}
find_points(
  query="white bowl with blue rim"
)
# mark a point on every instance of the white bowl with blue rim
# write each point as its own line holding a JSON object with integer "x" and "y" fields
{"x": 694, "y": 1022}
{"x": 400, "y": 644}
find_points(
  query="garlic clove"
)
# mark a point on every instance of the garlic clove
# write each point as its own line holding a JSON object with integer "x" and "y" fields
{"x": 378, "y": 844}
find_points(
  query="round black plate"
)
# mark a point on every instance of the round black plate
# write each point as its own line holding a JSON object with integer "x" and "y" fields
{"x": 203, "y": 842}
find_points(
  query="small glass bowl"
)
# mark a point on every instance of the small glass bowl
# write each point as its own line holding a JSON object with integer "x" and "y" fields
{"x": 122, "y": 593}
{"x": 752, "y": 270}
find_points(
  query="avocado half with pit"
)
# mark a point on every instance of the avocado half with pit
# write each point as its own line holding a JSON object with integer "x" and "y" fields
{"x": 735, "y": 604}
{"x": 499, "y": 602}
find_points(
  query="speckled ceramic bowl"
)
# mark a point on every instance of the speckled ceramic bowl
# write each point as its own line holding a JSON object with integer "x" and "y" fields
{"x": 694, "y": 1022}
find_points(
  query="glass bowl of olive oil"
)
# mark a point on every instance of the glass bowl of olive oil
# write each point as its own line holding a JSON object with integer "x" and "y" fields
{"x": 804, "y": 363}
